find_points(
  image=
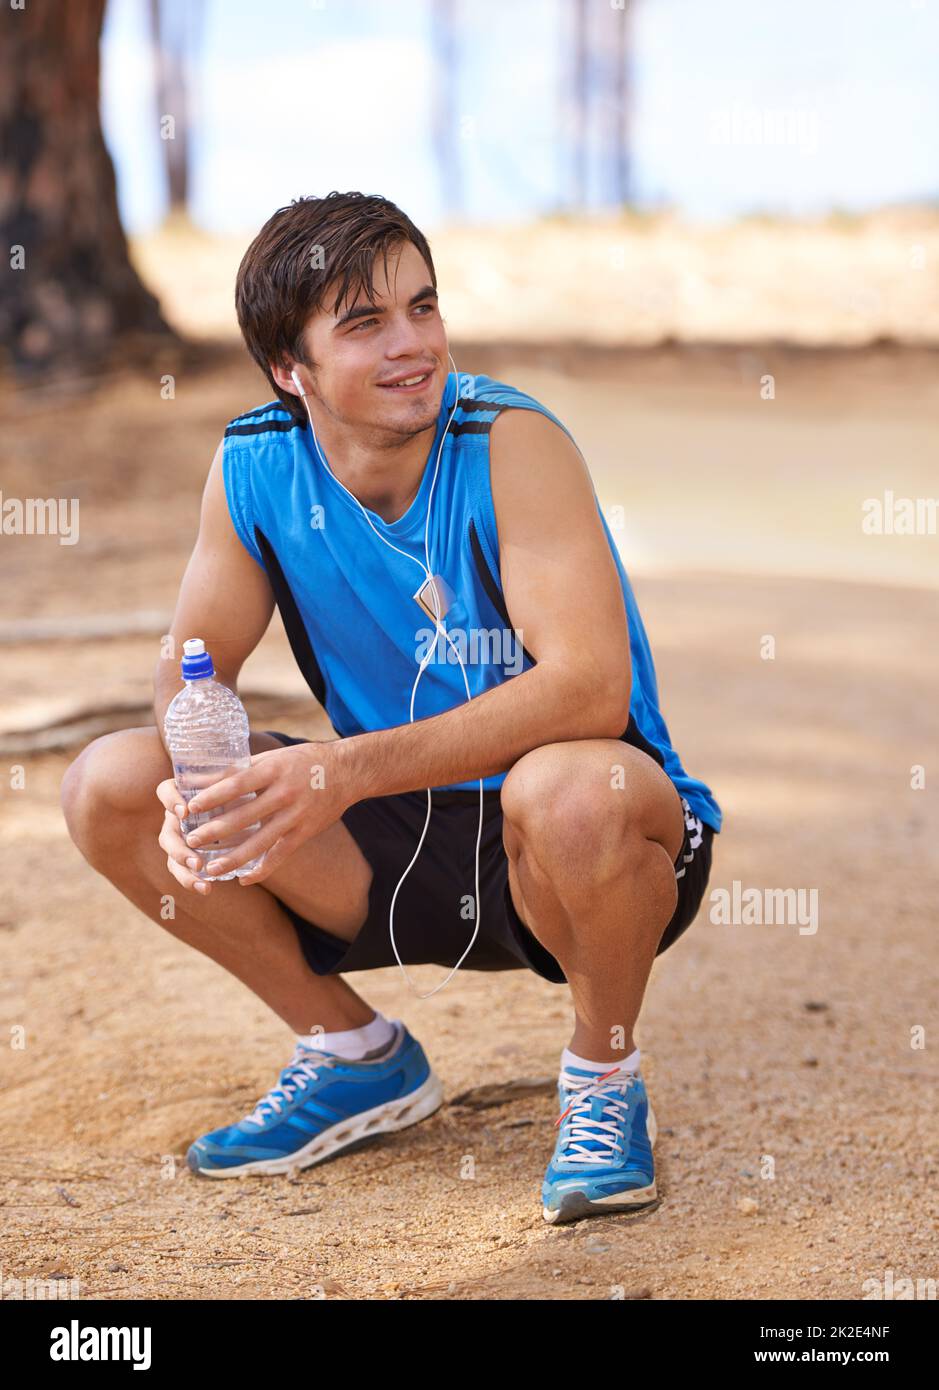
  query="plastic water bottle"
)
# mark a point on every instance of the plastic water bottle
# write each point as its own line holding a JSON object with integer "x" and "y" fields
{"x": 206, "y": 730}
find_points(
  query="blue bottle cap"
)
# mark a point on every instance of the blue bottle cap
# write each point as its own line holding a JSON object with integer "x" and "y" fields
{"x": 196, "y": 661}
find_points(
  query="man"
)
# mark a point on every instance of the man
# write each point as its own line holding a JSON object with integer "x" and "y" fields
{"x": 595, "y": 846}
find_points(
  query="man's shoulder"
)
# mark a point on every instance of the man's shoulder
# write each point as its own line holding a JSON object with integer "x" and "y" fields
{"x": 524, "y": 413}
{"x": 486, "y": 391}
{"x": 263, "y": 424}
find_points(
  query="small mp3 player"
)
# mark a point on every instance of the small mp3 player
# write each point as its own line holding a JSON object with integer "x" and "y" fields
{"x": 425, "y": 597}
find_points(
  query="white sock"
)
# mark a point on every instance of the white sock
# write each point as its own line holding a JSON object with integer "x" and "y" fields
{"x": 353, "y": 1043}
{"x": 570, "y": 1059}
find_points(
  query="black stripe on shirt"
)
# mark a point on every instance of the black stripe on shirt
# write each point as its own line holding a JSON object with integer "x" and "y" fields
{"x": 492, "y": 589}
{"x": 265, "y": 427}
{"x": 294, "y": 626}
{"x": 472, "y": 427}
{"x": 260, "y": 410}
{"x": 473, "y": 403}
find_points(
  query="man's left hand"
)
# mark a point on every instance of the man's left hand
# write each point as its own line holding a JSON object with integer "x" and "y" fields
{"x": 298, "y": 793}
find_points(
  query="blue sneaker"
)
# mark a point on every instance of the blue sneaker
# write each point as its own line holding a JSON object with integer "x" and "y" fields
{"x": 323, "y": 1105}
{"x": 602, "y": 1160}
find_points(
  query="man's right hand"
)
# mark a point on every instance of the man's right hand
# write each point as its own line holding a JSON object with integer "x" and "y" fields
{"x": 183, "y": 863}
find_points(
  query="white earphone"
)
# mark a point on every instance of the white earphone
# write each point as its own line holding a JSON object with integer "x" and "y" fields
{"x": 430, "y": 585}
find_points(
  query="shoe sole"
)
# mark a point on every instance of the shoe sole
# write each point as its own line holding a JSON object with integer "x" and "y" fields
{"x": 576, "y": 1204}
{"x": 347, "y": 1134}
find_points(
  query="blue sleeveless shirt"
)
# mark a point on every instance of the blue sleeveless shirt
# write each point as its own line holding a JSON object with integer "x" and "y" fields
{"x": 345, "y": 597}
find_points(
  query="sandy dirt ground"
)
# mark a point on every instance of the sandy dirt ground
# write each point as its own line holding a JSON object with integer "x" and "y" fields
{"x": 640, "y": 278}
{"x": 742, "y": 519}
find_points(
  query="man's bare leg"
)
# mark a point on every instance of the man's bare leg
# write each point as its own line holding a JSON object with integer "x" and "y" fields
{"x": 591, "y": 872}
{"x": 114, "y": 817}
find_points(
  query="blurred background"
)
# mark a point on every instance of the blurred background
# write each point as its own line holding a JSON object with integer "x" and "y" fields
{"x": 707, "y": 237}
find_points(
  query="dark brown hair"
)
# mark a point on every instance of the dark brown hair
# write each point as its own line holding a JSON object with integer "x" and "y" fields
{"x": 298, "y": 254}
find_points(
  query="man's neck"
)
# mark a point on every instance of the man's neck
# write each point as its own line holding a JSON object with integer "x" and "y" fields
{"x": 384, "y": 477}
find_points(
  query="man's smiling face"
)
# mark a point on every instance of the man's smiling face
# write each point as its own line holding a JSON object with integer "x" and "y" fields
{"x": 367, "y": 348}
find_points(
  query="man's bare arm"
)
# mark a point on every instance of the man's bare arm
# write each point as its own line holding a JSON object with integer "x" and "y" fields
{"x": 563, "y": 594}
{"x": 224, "y": 598}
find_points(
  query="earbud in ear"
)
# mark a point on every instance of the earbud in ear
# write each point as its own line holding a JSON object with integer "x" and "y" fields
{"x": 296, "y": 381}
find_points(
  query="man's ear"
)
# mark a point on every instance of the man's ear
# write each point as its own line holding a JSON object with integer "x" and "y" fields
{"x": 282, "y": 374}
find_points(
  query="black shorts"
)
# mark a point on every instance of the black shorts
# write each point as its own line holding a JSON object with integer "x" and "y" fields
{"x": 433, "y": 919}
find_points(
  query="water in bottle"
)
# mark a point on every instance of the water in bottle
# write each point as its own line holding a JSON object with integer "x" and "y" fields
{"x": 206, "y": 730}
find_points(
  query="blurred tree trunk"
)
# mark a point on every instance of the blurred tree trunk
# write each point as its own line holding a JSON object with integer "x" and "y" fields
{"x": 446, "y": 136}
{"x": 596, "y": 103}
{"x": 70, "y": 293}
{"x": 622, "y": 103}
{"x": 581, "y": 103}
{"x": 175, "y": 27}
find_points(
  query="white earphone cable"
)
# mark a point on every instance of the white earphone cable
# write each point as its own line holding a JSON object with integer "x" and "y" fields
{"x": 439, "y": 628}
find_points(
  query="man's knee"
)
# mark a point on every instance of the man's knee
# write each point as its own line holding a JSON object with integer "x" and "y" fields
{"x": 113, "y": 778}
{"x": 588, "y": 805}
{"x": 558, "y": 802}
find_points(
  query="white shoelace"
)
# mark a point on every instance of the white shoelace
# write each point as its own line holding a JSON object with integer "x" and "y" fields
{"x": 583, "y": 1127}
{"x": 300, "y": 1067}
